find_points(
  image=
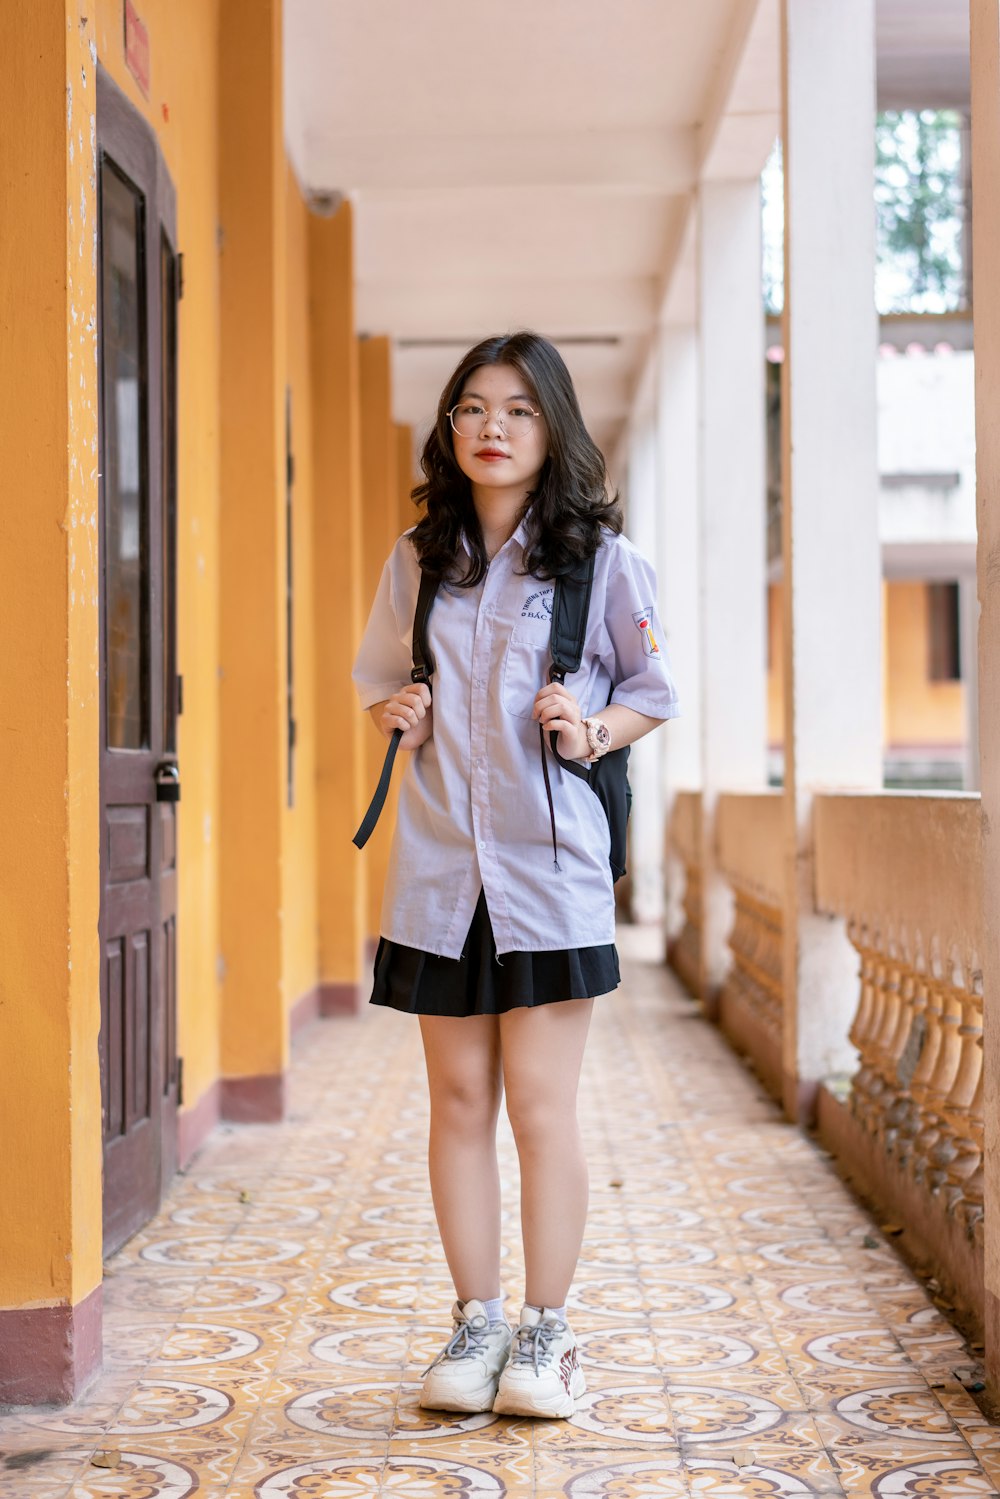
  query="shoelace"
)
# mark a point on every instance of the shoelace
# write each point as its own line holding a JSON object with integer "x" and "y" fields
{"x": 533, "y": 1344}
{"x": 465, "y": 1342}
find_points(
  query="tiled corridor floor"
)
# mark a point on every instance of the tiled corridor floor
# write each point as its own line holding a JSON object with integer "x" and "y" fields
{"x": 745, "y": 1331}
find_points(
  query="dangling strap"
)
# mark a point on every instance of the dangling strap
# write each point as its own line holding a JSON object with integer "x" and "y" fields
{"x": 570, "y": 608}
{"x": 423, "y": 670}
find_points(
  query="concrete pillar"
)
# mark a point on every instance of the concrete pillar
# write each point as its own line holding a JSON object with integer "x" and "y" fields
{"x": 645, "y": 761}
{"x": 968, "y": 628}
{"x": 831, "y": 597}
{"x": 252, "y": 557}
{"x": 339, "y": 602}
{"x": 985, "y": 19}
{"x": 731, "y": 542}
{"x": 379, "y": 529}
{"x": 678, "y": 569}
{"x": 50, "y": 1101}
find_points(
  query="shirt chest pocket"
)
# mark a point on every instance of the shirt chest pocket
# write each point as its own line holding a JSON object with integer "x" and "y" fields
{"x": 525, "y": 669}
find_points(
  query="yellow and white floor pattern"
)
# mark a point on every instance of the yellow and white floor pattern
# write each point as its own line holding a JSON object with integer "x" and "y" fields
{"x": 745, "y": 1330}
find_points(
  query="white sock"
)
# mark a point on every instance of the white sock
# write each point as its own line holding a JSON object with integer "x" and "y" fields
{"x": 494, "y": 1309}
{"x": 557, "y": 1311}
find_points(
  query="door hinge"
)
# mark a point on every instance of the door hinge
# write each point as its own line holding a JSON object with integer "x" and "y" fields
{"x": 180, "y": 694}
{"x": 180, "y": 277}
{"x": 180, "y": 1081}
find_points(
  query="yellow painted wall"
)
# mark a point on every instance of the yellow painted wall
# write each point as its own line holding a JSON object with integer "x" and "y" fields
{"x": 253, "y": 314}
{"x": 918, "y": 711}
{"x": 379, "y": 529}
{"x": 299, "y": 865}
{"x": 50, "y": 1105}
{"x": 183, "y": 110}
{"x": 339, "y": 596}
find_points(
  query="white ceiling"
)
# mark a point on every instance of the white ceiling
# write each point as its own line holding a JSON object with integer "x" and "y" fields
{"x": 531, "y": 164}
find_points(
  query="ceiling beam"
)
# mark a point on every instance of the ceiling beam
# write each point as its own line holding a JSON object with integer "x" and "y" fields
{"x": 660, "y": 161}
{"x": 442, "y": 309}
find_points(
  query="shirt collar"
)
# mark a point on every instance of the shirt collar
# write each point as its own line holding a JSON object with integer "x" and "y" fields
{"x": 520, "y": 535}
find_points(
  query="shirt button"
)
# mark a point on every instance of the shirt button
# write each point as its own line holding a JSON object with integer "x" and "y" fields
{"x": 482, "y": 843}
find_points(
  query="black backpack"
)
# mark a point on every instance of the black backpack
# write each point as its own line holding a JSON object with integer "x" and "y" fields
{"x": 607, "y": 777}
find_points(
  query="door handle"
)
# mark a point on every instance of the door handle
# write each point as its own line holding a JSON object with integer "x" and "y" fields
{"x": 168, "y": 782}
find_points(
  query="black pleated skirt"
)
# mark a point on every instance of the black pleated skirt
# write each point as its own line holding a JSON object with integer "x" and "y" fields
{"x": 480, "y": 982}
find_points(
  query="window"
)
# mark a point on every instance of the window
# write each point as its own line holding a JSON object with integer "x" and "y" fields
{"x": 944, "y": 655}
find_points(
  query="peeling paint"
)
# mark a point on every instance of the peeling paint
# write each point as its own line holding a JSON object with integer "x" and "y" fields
{"x": 69, "y": 106}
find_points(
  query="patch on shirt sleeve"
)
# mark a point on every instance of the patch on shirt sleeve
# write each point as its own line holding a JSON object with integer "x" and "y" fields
{"x": 644, "y": 624}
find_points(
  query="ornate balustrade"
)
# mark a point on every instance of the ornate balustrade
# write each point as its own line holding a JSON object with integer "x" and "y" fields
{"x": 905, "y": 871}
{"x": 749, "y": 851}
{"x": 684, "y": 843}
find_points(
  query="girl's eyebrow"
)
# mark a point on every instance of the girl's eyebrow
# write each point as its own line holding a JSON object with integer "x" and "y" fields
{"x": 466, "y": 394}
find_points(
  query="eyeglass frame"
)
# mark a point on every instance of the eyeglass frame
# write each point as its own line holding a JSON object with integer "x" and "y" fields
{"x": 487, "y": 413}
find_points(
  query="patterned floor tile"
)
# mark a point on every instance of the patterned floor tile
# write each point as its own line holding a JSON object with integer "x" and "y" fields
{"x": 745, "y": 1329}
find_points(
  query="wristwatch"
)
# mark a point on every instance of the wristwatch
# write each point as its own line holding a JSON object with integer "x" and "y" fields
{"x": 598, "y": 737}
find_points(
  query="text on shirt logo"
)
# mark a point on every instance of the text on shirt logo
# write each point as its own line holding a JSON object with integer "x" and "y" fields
{"x": 644, "y": 624}
{"x": 538, "y": 605}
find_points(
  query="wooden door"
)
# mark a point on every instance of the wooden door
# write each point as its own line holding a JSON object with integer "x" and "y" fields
{"x": 137, "y": 324}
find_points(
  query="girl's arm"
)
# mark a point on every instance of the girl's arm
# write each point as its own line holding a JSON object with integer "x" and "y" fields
{"x": 410, "y": 710}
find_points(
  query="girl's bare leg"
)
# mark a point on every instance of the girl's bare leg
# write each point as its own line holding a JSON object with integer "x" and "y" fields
{"x": 542, "y": 1051}
{"x": 466, "y": 1086}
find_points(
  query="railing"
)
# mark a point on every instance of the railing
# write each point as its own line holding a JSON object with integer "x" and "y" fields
{"x": 905, "y": 871}
{"x": 684, "y": 842}
{"x": 748, "y": 835}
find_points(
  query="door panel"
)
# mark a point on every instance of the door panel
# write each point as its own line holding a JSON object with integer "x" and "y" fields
{"x": 138, "y": 862}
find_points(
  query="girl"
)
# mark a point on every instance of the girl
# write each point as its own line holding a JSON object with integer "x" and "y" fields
{"x": 499, "y": 947}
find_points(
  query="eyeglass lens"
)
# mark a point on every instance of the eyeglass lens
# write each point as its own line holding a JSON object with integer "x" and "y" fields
{"x": 470, "y": 417}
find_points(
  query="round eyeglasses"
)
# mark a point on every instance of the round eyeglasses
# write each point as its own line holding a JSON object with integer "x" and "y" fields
{"x": 468, "y": 418}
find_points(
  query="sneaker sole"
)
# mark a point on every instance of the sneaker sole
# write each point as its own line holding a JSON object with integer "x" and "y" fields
{"x": 522, "y": 1403}
{"x": 472, "y": 1404}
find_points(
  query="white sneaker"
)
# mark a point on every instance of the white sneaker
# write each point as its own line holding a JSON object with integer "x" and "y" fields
{"x": 542, "y": 1376}
{"x": 465, "y": 1374}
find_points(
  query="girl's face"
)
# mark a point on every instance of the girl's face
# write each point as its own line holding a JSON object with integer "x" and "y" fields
{"x": 497, "y": 444}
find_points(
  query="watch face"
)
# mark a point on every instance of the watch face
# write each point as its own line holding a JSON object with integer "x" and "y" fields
{"x": 602, "y": 734}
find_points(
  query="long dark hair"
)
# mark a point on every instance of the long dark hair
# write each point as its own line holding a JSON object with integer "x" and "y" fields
{"x": 571, "y": 501}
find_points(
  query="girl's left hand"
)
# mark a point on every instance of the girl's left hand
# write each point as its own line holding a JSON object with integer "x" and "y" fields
{"x": 558, "y": 711}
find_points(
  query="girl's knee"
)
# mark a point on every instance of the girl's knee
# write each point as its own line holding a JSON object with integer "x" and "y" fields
{"x": 459, "y": 1104}
{"x": 536, "y": 1122}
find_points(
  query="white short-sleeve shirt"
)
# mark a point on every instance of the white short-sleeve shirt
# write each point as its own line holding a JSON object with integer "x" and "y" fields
{"x": 473, "y": 814}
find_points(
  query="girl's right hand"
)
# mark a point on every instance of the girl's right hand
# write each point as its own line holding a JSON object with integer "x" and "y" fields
{"x": 409, "y": 710}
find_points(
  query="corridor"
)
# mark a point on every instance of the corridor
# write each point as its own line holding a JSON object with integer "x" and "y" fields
{"x": 745, "y": 1329}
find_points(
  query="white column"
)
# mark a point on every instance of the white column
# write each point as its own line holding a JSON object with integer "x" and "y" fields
{"x": 678, "y": 567}
{"x": 832, "y": 590}
{"x": 646, "y": 826}
{"x": 731, "y": 529}
{"x": 968, "y": 628}
{"x": 985, "y": 17}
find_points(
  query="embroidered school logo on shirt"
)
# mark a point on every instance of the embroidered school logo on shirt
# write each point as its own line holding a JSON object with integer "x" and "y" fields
{"x": 538, "y": 605}
{"x": 644, "y": 624}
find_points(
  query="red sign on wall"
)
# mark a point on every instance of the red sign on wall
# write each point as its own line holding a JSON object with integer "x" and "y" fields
{"x": 137, "y": 47}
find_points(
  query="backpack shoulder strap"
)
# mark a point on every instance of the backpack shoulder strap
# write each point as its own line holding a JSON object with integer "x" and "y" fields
{"x": 570, "y": 608}
{"x": 423, "y": 670}
{"x": 423, "y": 661}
